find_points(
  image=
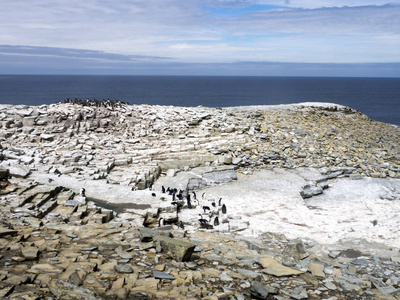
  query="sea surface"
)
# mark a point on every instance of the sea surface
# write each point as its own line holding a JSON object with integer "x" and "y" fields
{"x": 378, "y": 98}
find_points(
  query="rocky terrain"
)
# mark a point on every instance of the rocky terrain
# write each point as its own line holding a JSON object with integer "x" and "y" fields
{"x": 294, "y": 201}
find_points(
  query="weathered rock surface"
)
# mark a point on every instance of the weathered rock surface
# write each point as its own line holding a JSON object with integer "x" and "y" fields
{"x": 77, "y": 183}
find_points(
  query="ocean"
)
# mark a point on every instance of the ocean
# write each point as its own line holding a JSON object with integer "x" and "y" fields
{"x": 378, "y": 98}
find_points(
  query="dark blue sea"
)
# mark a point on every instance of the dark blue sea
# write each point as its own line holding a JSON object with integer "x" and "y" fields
{"x": 378, "y": 98}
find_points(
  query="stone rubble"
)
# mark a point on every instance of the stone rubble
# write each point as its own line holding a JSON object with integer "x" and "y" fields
{"x": 56, "y": 242}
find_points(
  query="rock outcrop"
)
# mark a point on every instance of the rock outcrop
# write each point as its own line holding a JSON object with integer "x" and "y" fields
{"x": 62, "y": 237}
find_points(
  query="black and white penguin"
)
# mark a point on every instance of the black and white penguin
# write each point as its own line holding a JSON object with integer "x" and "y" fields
{"x": 163, "y": 189}
{"x": 202, "y": 220}
{"x": 181, "y": 225}
{"x": 83, "y": 192}
{"x": 216, "y": 221}
{"x": 194, "y": 195}
{"x": 223, "y": 208}
{"x": 219, "y": 202}
{"x": 205, "y": 208}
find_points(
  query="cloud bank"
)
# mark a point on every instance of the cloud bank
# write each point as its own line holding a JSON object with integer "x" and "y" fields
{"x": 127, "y": 34}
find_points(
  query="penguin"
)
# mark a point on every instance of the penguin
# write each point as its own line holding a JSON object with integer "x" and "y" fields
{"x": 163, "y": 189}
{"x": 219, "y": 202}
{"x": 203, "y": 195}
{"x": 153, "y": 194}
{"x": 216, "y": 221}
{"x": 83, "y": 192}
{"x": 181, "y": 225}
{"x": 224, "y": 209}
{"x": 188, "y": 197}
{"x": 213, "y": 204}
{"x": 194, "y": 195}
{"x": 202, "y": 220}
{"x": 161, "y": 222}
{"x": 205, "y": 208}
{"x": 189, "y": 204}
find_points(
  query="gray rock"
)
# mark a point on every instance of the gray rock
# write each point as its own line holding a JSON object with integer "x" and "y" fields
{"x": 261, "y": 291}
{"x": 65, "y": 290}
{"x": 249, "y": 273}
{"x": 47, "y": 137}
{"x": 295, "y": 250}
{"x": 258, "y": 290}
{"x": 179, "y": 249}
{"x": 330, "y": 285}
{"x": 236, "y": 160}
{"x": 75, "y": 279}
{"x": 360, "y": 262}
{"x": 298, "y": 293}
{"x": 123, "y": 268}
{"x": 162, "y": 275}
{"x": 147, "y": 234}
{"x": 225, "y": 277}
{"x": 310, "y": 191}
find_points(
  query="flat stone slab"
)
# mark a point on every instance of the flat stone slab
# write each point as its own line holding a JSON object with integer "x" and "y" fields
{"x": 16, "y": 170}
{"x": 179, "y": 249}
{"x": 30, "y": 253}
{"x": 123, "y": 268}
{"x": 65, "y": 290}
{"x": 162, "y": 275}
{"x": 273, "y": 267}
{"x": 6, "y": 231}
{"x": 46, "y": 269}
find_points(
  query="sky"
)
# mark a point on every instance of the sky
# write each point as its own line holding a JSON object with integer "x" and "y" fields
{"x": 201, "y": 37}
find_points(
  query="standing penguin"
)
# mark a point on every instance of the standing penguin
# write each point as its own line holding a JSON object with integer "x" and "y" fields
{"x": 223, "y": 208}
{"x": 216, "y": 221}
{"x": 181, "y": 225}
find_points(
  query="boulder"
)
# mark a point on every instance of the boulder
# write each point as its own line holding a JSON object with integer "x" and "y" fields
{"x": 179, "y": 249}
{"x": 4, "y": 173}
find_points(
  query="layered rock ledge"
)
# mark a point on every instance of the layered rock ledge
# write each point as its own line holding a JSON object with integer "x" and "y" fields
{"x": 84, "y": 207}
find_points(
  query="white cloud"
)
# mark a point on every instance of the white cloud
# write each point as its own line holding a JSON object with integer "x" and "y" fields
{"x": 307, "y": 4}
{"x": 303, "y": 31}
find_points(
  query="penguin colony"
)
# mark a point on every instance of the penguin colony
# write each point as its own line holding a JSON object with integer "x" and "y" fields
{"x": 209, "y": 217}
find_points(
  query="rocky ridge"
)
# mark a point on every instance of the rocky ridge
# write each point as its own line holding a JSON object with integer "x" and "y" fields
{"x": 57, "y": 243}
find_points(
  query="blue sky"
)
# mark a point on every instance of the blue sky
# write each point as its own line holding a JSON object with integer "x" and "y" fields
{"x": 201, "y": 37}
